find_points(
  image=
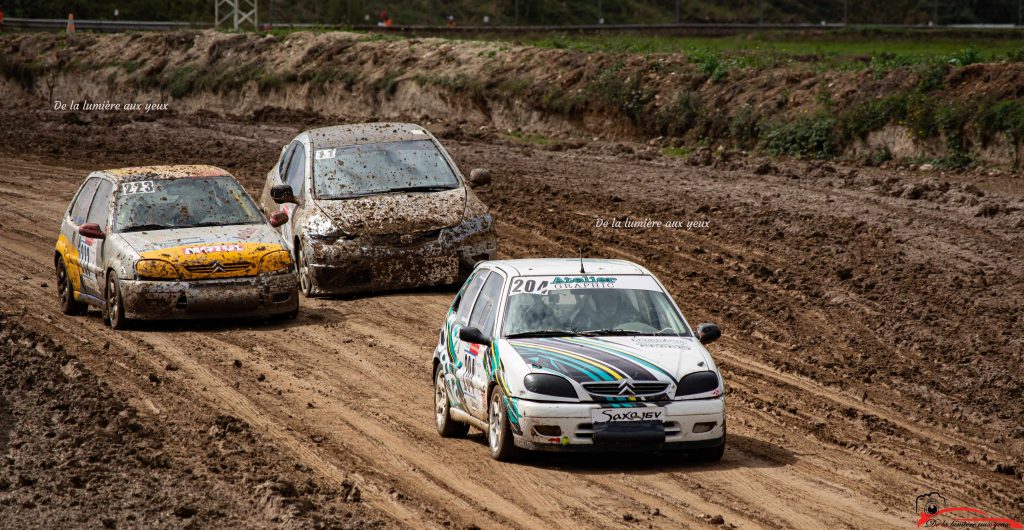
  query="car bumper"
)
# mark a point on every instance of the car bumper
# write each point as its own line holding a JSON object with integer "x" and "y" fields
{"x": 343, "y": 267}
{"x": 235, "y": 297}
{"x": 578, "y": 433}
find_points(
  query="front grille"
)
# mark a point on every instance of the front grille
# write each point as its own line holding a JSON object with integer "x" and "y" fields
{"x": 415, "y": 239}
{"x": 614, "y": 388}
{"x": 223, "y": 268}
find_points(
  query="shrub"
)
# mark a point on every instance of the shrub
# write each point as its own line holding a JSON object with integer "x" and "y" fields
{"x": 811, "y": 136}
{"x": 951, "y": 120}
{"x": 966, "y": 56}
{"x": 677, "y": 118}
{"x": 1005, "y": 117}
{"x": 744, "y": 126}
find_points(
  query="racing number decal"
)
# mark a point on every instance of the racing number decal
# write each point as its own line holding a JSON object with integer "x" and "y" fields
{"x": 84, "y": 259}
{"x": 528, "y": 286}
{"x": 142, "y": 186}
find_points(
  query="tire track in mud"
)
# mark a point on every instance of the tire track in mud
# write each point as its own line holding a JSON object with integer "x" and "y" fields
{"x": 778, "y": 472}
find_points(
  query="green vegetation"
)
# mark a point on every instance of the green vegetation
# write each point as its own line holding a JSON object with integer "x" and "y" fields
{"x": 838, "y": 43}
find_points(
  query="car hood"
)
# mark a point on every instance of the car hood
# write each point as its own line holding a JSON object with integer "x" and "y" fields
{"x": 585, "y": 359}
{"x": 396, "y": 213}
{"x": 201, "y": 239}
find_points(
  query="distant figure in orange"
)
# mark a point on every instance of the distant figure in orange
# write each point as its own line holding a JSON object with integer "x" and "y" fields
{"x": 451, "y": 21}
{"x": 385, "y": 20}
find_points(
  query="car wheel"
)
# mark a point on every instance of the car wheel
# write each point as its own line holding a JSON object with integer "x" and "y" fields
{"x": 499, "y": 432}
{"x": 446, "y": 426}
{"x": 114, "y": 312}
{"x": 306, "y": 283}
{"x": 66, "y": 293}
{"x": 710, "y": 454}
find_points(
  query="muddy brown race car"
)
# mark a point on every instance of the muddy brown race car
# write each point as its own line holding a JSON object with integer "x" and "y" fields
{"x": 375, "y": 207}
{"x": 167, "y": 242}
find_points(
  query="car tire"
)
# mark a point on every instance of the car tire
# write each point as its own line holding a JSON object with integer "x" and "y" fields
{"x": 306, "y": 282}
{"x": 113, "y": 313}
{"x": 446, "y": 426}
{"x": 499, "y": 431}
{"x": 709, "y": 454}
{"x": 66, "y": 292}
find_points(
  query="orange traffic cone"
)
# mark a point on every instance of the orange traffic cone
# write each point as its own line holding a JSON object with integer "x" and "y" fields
{"x": 71, "y": 23}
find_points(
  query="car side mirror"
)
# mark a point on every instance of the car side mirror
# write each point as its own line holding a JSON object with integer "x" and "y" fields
{"x": 473, "y": 336}
{"x": 708, "y": 333}
{"x": 282, "y": 193}
{"x": 278, "y": 218}
{"x": 91, "y": 230}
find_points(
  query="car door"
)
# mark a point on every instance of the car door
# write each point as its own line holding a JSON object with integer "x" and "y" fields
{"x": 274, "y": 177}
{"x": 454, "y": 356}
{"x": 77, "y": 216}
{"x": 294, "y": 176}
{"x": 472, "y": 374}
{"x": 90, "y": 250}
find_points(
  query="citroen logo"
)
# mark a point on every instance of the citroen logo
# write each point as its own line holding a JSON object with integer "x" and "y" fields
{"x": 217, "y": 267}
{"x": 626, "y": 388}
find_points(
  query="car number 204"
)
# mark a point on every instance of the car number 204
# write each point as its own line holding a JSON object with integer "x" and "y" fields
{"x": 621, "y": 415}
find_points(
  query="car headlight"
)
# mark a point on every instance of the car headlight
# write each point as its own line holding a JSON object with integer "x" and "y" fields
{"x": 155, "y": 269}
{"x": 276, "y": 262}
{"x": 697, "y": 383}
{"x": 319, "y": 227}
{"x": 549, "y": 385}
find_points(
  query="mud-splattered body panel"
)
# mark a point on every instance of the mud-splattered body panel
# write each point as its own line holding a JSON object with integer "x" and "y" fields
{"x": 169, "y": 273}
{"x": 383, "y": 240}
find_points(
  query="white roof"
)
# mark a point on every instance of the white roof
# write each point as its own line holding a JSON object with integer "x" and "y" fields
{"x": 564, "y": 266}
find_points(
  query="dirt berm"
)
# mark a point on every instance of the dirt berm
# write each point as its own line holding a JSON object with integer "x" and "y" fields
{"x": 930, "y": 111}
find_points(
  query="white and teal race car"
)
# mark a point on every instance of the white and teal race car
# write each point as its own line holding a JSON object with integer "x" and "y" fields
{"x": 569, "y": 354}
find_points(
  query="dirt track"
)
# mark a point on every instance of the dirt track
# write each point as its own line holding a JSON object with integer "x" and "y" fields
{"x": 872, "y": 350}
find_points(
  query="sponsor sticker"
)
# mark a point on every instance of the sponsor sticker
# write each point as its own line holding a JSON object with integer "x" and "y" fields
{"x": 206, "y": 249}
{"x": 140, "y": 186}
{"x": 659, "y": 342}
{"x": 325, "y": 154}
{"x": 627, "y": 414}
{"x": 544, "y": 284}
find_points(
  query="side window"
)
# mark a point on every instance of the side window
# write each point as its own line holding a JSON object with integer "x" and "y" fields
{"x": 297, "y": 170}
{"x": 486, "y": 308}
{"x": 462, "y": 315}
{"x": 99, "y": 211}
{"x": 282, "y": 168}
{"x": 80, "y": 210}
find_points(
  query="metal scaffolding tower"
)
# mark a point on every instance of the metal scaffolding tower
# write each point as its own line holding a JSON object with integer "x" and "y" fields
{"x": 235, "y": 13}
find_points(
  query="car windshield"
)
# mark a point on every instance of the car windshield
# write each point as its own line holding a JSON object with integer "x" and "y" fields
{"x": 416, "y": 165}
{"x": 589, "y": 305}
{"x": 183, "y": 203}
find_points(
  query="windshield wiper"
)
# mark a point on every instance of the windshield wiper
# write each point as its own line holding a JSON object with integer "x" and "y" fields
{"x": 612, "y": 332}
{"x": 541, "y": 333}
{"x": 150, "y": 226}
{"x": 200, "y": 225}
{"x": 420, "y": 188}
{"x": 355, "y": 195}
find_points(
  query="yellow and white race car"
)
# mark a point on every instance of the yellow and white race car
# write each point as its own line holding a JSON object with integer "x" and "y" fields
{"x": 169, "y": 242}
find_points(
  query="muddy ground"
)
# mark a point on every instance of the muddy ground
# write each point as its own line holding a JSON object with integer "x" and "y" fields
{"x": 873, "y": 344}
{"x": 77, "y": 453}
